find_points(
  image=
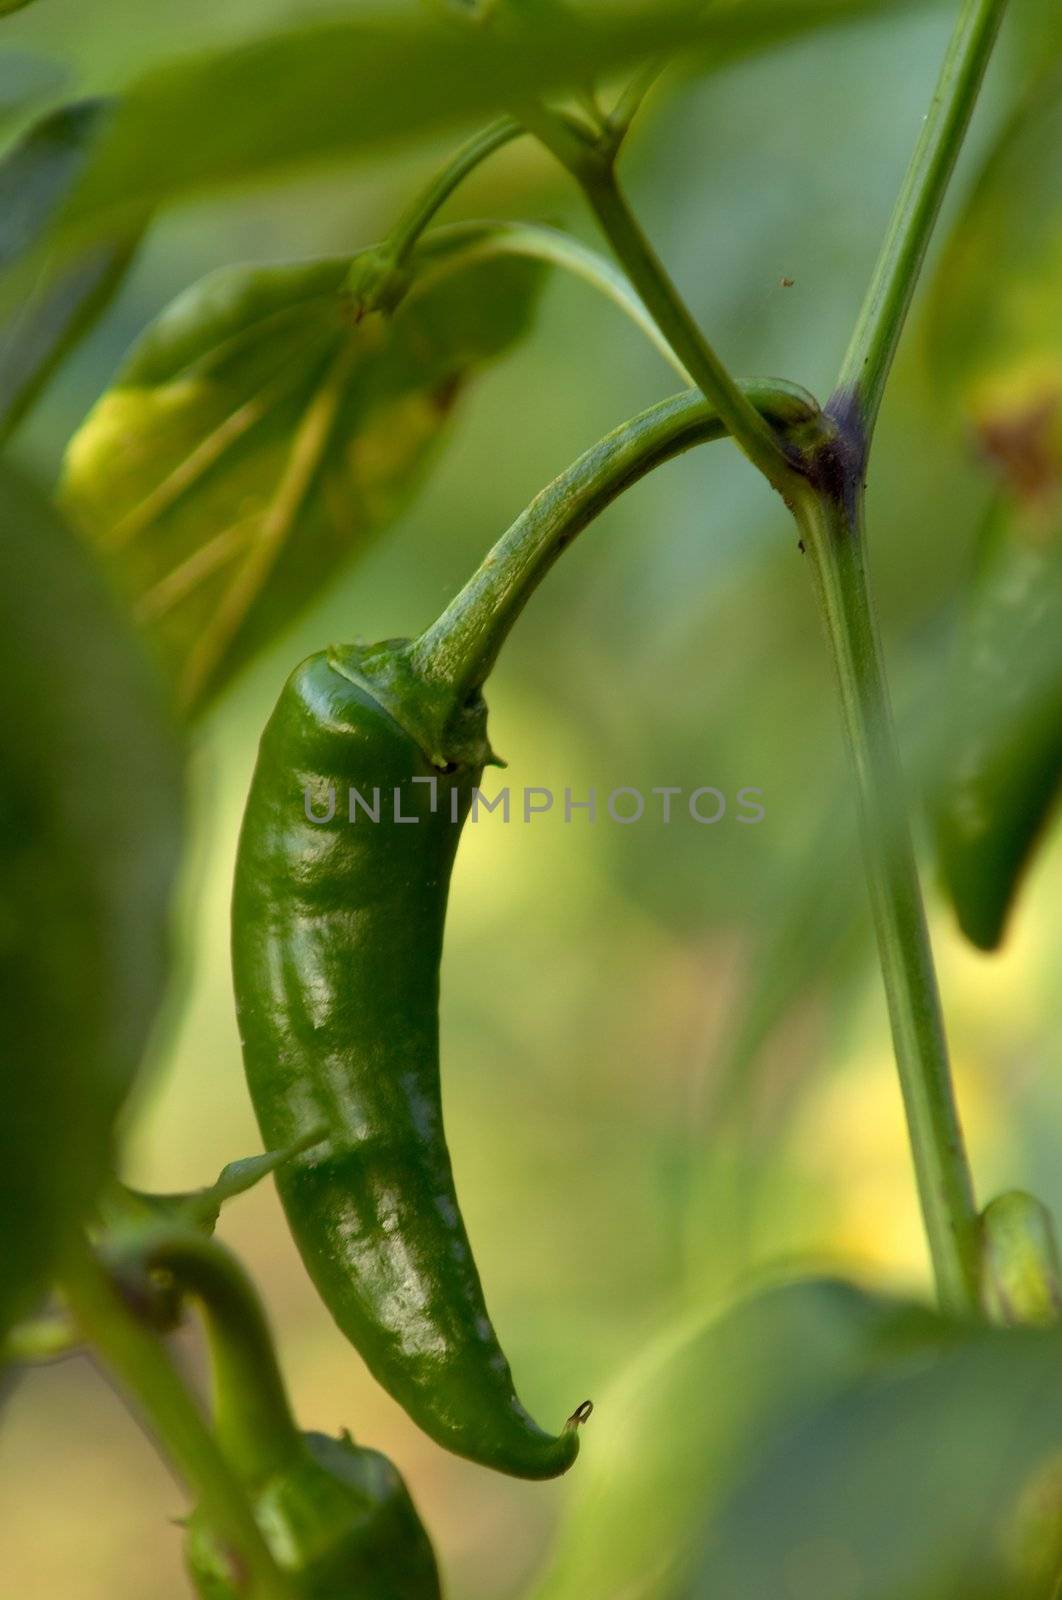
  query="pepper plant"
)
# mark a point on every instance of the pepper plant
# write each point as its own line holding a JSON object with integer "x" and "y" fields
{"x": 268, "y": 425}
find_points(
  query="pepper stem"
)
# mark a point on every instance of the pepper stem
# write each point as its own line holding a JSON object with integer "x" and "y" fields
{"x": 460, "y": 648}
{"x": 591, "y": 162}
{"x": 423, "y": 208}
{"x": 380, "y": 277}
{"x": 141, "y": 1366}
{"x": 253, "y": 1421}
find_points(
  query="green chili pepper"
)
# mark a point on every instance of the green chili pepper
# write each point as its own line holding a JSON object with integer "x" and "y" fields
{"x": 337, "y": 937}
{"x": 337, "y": 1519}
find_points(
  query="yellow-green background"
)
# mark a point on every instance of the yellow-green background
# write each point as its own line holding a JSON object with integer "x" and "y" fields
{"x": 591, "y": 972}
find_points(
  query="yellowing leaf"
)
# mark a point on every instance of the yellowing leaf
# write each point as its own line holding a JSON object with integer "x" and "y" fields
{"x": 260, "y": 434}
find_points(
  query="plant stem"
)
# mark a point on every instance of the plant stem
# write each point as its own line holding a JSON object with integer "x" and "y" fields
{"x": 873, "y": 344}
{"x": 649, "y": 276}
{"x": 593, "y": 168}
{"x": 460, "y": 648}
{"x": 833, "y": 529}
{"x": 143, "y": 1369}
{"x": 253, "y": 1421}
{"x": 832, "y": 518}
{"x": 413, "y": 221}
{"x": 630, "y": 100}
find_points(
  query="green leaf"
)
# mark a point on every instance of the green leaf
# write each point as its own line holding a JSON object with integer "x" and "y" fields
{"x": 38, "y": 172}
{"x": 24, "y": 78}
{"x": 259, "y": 435}
{"x": 7, "y": 6}
{"x": 995, "y": 334}
{"x": 689, "y": 1417}
{"x": 1000, "y": 751}
{"x": 325, "y": 91}
{"x": 904, "y": 1484}
{"x": 63, "y": 298}
{"x": 90, "y": 805}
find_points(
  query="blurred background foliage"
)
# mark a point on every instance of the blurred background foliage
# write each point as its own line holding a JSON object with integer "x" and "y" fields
{"x": 666, "y": 1059}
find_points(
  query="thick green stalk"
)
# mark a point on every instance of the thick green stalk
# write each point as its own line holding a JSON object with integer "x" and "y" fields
{"x": 833, "y": 531}
{"x": 831, "y": 514}
{"x": 877, "y": 333}
{"x": 460, "y": 648}
{"x": 142, "y": 1368}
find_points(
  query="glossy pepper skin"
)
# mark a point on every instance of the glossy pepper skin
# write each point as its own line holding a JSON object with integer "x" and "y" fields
{"x": 338, "y": 1520}
{"x": 337, "y": 939}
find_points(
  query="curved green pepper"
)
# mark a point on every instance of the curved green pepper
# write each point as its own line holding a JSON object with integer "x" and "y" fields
{"x": 338, "y": 929}
{"x": 337, "y": 938}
